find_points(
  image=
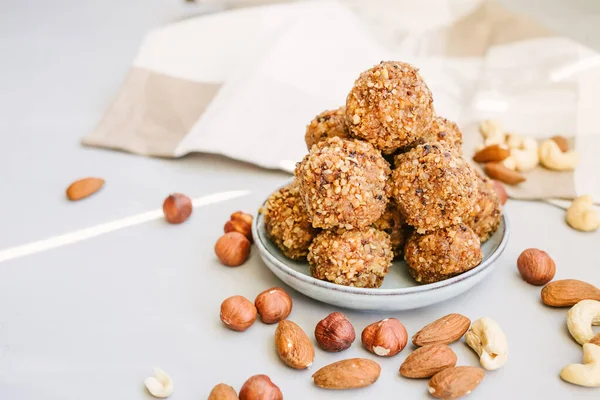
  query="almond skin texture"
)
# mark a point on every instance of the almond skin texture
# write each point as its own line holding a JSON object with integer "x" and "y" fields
{"x": 497, "y": 171}
{"x": 223, "y": 392}
{"x": 427, "y": 361}
{"x": 240, "y": 222}
{"x": 493, "y": 153}
{"x": 445, "y": 330}
{"x": 260, "y": 387}
{"x": 83, "y": 188}
{"x": 353, "y": 373}
{"x": 273, "y": 305}
{"x": 500, "y": 191}
{"x": 177, "y": 208}
{"x": 536, "y": 267}
{"x": 568, "y": 292}
{"x": 562, "y": 142}
{"x": 232, "y": 249}
{"x": 334, "y": 332}
{"x": 385, "y": 338}
{"x": 455, "y": 382}
{"x": 238, "y": 313}
{"x": 293, "y": 346}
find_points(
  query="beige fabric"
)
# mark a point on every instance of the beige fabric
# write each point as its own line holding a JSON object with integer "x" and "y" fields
{"x": 152, "y": 113}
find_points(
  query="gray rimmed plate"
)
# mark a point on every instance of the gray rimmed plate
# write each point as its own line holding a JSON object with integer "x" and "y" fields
{"x": 398, "y": 292}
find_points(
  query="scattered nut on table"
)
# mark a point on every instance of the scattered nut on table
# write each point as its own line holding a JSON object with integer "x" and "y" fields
{"x": 588, "y": 373}
{"x": 493, "y": 153}
{"x": 82, "y": 188}
{"x": 385, "y": 338}
{"x": 273, "y": 305}
{"x": 353, "y": 373}
{"x": 445, "y": 330}
{"x": 580, "y": 319}
{"x": 232, "y": 249}
{"x": 427, "y": 361}
{"x": 223, "y": 392}
{"x": 536, "y": 266}
{"x": 487, "y": 339}
{"x": 240, "y": 222}
{"x": 177, "y": 208}
{"x": 498, "y": 171}
{"x": 582, "y": 216}
{"x": 293, "y": 346}
{"x": 553, "y": 158}
{"x": 335, "y": 332}
{"x": 160, "y": 385}
{"x": 260, "y": 387}
{"x": 492, "y": 132}
{"x": 526, "y": 155}
{"x": 568, "y": 292}
{"x": 238, "y": 313}
{"x": 562, "y": 142}
{"x": 595, "y": 340}
{"x": 455, "y": 382}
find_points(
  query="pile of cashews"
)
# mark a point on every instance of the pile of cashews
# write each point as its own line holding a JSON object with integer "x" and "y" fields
{"x": 580, "y": 319}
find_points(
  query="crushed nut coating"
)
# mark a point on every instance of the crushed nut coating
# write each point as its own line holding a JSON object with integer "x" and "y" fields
{"x": 433, "y": 187}
{"x": 392, "y": 223}
{"x": 389, "y": 106}
{"x": 446, "y": 132}
{"x": 287, "y": 223}
{"x": 328, "y": 124}
{"x": 343, "y": 183}
{"x": 442, "y": 254}
{"x": 487, "y": 212}
{"x": 359, "y": 258}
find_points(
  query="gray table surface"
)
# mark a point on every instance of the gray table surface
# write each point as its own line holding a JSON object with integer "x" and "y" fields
{"x": 89, "y": 320}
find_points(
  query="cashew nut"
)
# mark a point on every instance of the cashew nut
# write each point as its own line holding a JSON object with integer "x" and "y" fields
{"x": 160, "y": 385}
{"x": 588, "y": 373}
{"x": 492, "y": 132}
{"x": 510, "y": 163}
{"x": 524, "y": 151}
{"x": 514, "y": 141}
{"x": 580, "y": 319}
{"x": 487, "y": 339}
{"x": 582, "y": 216}
{"x": 553, "y": 158}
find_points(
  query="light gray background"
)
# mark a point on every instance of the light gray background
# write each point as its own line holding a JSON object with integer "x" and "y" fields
{"x": 90, "y": 320}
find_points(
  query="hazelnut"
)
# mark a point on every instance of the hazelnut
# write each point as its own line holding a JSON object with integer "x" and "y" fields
{"x": 240, "y": 222}
{"x": 233, "y": 249}
{"x": 238, "y": 313}
{"x": 335, "y": 332}
{"x": 222, "y": 392}
{"x": 385, "y": 338}
{"x": 562, "y": 142}
{"x": 536, "y": 266}
{"x": 500, "y": 191}
{"x": 273, "y": 305}
{"x": 260, "y": 387}
{"x": 177, "y": 208}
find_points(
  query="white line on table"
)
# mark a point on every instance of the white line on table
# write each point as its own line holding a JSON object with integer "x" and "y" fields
{"x": 87, "y": 233}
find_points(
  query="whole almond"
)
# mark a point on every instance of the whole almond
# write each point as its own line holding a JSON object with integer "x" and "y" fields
{"x": 83, "y": 188}
{"x": 293, "y": 346}
{"x": 445, "y": 330}
{"x": 595, "y": 340}
{"x": 353, "y": 373}
{"x": 568, "y": 292}
{"x": 222, "y": 392}
{"x": 455, "y": 382}
{"x": 493, "y": 153}
{"x": 427, "y": 361}
{"x": 498, "y": 171}
{"x": 562, "y": 142}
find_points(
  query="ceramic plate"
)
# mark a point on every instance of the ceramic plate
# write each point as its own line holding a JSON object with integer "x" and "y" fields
{"x": 398, "y": 292}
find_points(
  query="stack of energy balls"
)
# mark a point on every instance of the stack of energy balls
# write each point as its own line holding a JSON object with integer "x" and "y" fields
{"x": 384, "y": 178}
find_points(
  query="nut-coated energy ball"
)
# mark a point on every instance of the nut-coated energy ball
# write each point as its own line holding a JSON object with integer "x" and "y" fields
{"x": 328, "y": 124}
{"x": 389, "y": 106}
{"x": 359, "y": 258}
{"x": 287, "y": 223}
{"x": 392, "y": 223}
{"x": 442, "y": 254}
{"x": 343, "y": 183}
{"x": 433, "y": 187}
{"x": 446, "y": 132}
{"x": 487, "y": 212}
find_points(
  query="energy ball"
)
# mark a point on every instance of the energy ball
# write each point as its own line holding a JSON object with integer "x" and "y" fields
{"x": 442, "y": 254}
{"x": 389, "y": 106}
{"x": 328, "y": 124}
{"x": 446, "y": 132}
{"x": 359, "y": 258}
{"x": 485, "y": 217}
{"x": 343, "y": 183}
{"x": 392, "y": 223}
{"x": 287, "y": 223}
{"x": 433, "y": 187}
